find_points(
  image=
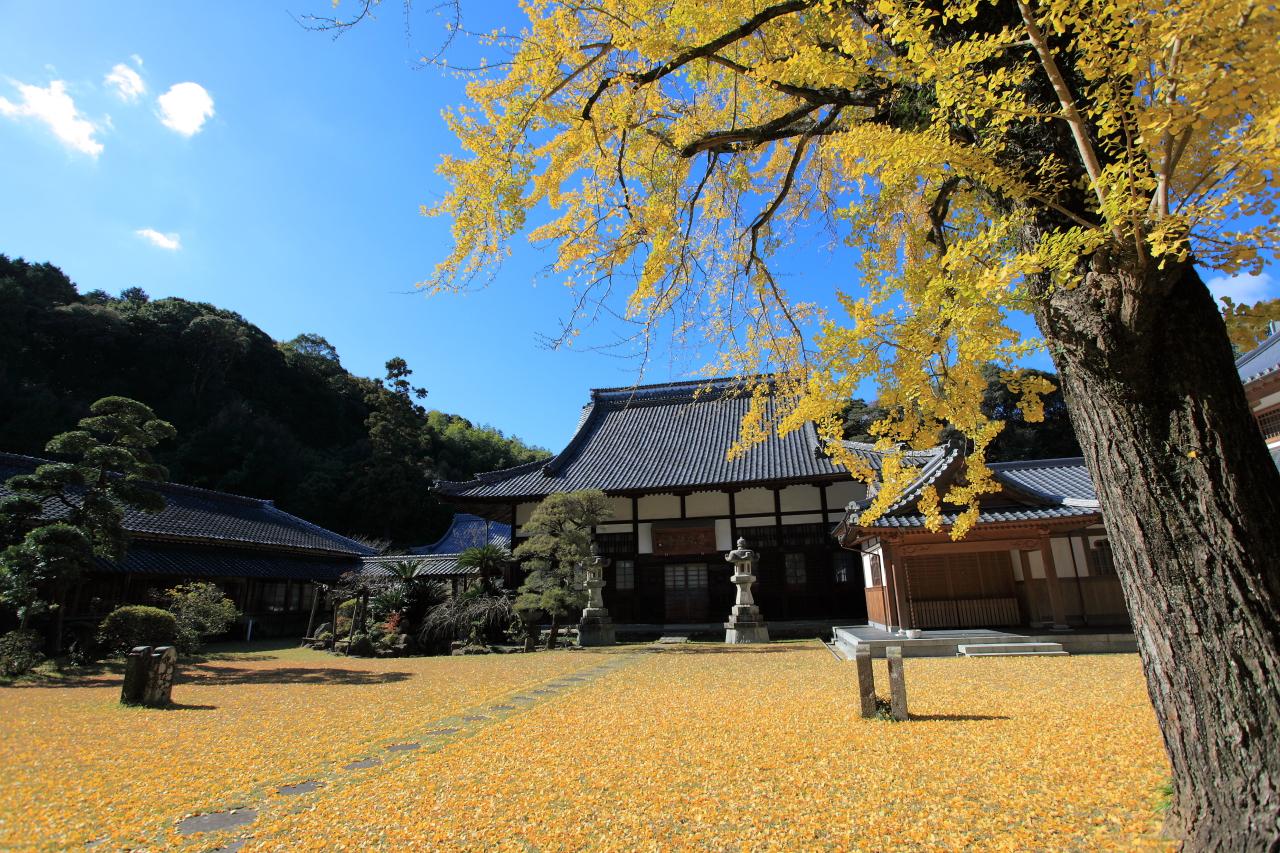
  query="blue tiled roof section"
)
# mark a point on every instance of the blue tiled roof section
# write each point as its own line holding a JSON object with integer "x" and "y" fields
{"x": 653, "y": 437}
{"x": 468, "y": 531}
{"x": 1057, "y": 480}
{"x": 206, "y": 515}
{"x": 1260, "y": 361}
{"x": 430, "y": 565}
{"x": 178, "y": 561}
{"x": 994, "y": 516}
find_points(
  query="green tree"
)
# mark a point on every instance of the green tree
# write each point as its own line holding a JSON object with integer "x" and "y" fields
{"x": 112, "y": 469}
{"x": 201, "y": 610}
{"x": 557, "y": 548}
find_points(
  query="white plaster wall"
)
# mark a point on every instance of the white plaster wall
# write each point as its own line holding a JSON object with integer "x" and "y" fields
{"x": 753, "y": 500}
{"x": 1061, "y": 548}
{"x": 756, "y": 522}
{"x": 621, "y": 508}
{"x": 613, "y": 528}
{"x": 806, "y": 518}
{"x": 866, "y": 565}
{"x": 1036, "y": 564}
{"x": 840, "y": 494}
{"x": 724, "y": 535}
{"x": 659, "y": 506}
{"x": 1269, "y": 400}
{"x": 797, "y": 498}
{"x": 644, "y": 533}
{"x": 1017, "y": 564}
{"x": 1077, "y": 548}
{"x": 703, "y": 504}
{"x": 523, "y": 511}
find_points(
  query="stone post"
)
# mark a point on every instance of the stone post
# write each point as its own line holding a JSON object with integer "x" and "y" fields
{"x": 148, "y": 676}
{"x": 866, "y": 681}
{"x": 596, "y": 628}
{"x": 897, "y": 683}
{"x": 745, "y": 624}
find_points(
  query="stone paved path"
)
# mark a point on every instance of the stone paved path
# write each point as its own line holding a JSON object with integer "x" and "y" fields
{"x": 433, "y": 737}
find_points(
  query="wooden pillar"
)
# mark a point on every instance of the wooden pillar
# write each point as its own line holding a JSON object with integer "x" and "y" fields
{"x": 896, "y": 580}
{"x": 1051, "y": 581}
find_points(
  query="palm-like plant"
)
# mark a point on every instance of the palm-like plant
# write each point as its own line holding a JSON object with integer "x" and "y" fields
{"x": 488, "y": 560}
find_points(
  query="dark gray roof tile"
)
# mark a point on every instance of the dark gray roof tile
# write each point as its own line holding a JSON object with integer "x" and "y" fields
{"x": 203, "y": 514}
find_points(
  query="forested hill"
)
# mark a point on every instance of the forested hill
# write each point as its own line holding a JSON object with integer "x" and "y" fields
{"x": 254, "y": 416}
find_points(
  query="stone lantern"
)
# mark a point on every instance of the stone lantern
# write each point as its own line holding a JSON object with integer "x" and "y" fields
{"x": 596, "y": 628}
{"x": 745, "y": 623}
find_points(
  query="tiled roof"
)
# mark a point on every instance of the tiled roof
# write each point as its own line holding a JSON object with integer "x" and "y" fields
{"x": 468, "y": 531}
{"x": 1036, "y": 490}
{"x": 656, "y": 437}
{"x": 993, "y": 516}
{"x": 206, "y": 515}
{"x": 432, "y": 565}
{"x": 1064, "y": 481}
{"x": 155, "y": 558}
{"x": 1260, "y": 361}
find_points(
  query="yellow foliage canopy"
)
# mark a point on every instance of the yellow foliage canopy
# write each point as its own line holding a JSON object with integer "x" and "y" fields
{"x": 975, "y": 154}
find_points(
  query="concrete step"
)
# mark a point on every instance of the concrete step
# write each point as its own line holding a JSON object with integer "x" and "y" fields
{"x": 1017, "y": 654}
{"x": 996, "y": 649}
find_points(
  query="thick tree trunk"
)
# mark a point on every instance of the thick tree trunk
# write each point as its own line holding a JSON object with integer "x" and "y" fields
{"x": 554, "y": 633}
{"x": 1191, "y": 502}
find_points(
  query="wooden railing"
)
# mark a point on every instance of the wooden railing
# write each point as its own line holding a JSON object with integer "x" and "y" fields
{"x": 966, "y": 613}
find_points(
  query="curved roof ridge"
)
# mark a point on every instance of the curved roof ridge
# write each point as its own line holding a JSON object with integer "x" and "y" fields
{"x": 555, "y": 464}
{"x": 1034, "y": 463}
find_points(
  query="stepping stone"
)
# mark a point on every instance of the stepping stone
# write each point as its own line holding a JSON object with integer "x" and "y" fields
{"x": 521, "y": 698}
{"x": 475, "y": 718}
{"x": 441, "y": 732}
{"x": 300, "y": 788}
{"x": 403, "y": 747}
{"x": 216, "y": 821}
{"x": 362, "y": 764}
{"x": 504, "y": 707}
{"x": 232, "y": 847}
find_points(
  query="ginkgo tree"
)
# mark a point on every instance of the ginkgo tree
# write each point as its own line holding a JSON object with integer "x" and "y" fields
{"x": 1077, "y": 160}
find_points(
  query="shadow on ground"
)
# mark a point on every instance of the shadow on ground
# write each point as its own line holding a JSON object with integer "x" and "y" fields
{"x": 216, "y": 675}
{"x": 956, "y": 718}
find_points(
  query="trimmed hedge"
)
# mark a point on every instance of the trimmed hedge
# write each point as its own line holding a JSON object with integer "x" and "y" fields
{"x": 137, "y": 625}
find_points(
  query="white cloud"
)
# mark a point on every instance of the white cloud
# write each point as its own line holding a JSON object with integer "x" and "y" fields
{"x": 137, "y": 60}
{"x": 54, "y": 107}
{"x": 170, "y": 242}
{"x": 1243, "y": 288}
{"x": 185, "y": 108}
{"x": 126, "y": 82}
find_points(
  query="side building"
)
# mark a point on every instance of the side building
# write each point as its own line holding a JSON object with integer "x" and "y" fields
{"x": 266, "y": 560}
{"x": 1260, "y": 372}
{"x": 659, "y": 453}
{"x": 1037, "y": 557}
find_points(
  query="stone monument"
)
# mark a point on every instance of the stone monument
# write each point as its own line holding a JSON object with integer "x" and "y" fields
{"x": 745, "y": 624}
{"x": 596, "y": 628}
{"x": 148, "y": 676}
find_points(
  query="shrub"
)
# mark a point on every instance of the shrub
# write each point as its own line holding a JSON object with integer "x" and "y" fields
{"x": 201, "y": 611}
{"x": 361, "y": 646}
{"x": 137, "y": 625}
{"x": 20, "y": 652}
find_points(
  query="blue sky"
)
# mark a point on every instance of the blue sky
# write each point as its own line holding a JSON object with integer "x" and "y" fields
{"x": 225, "y": 154}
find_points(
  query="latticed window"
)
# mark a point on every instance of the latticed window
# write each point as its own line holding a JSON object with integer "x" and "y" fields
{"x": 1103, "y": 563}
{"x": 624, "y": 574}
{"x": 1269, "y": 423}
{"x": 877, "y": 573}
{"x": 796, "y": 573}
{"x": 612, "y": 544}
{"x": 842, "y": 567}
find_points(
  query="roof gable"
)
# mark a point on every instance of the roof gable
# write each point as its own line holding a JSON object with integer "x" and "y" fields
{"x": 660, "y": 437}
{"x": 468, "y": 531}
{"x": 1260, "y": 361}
